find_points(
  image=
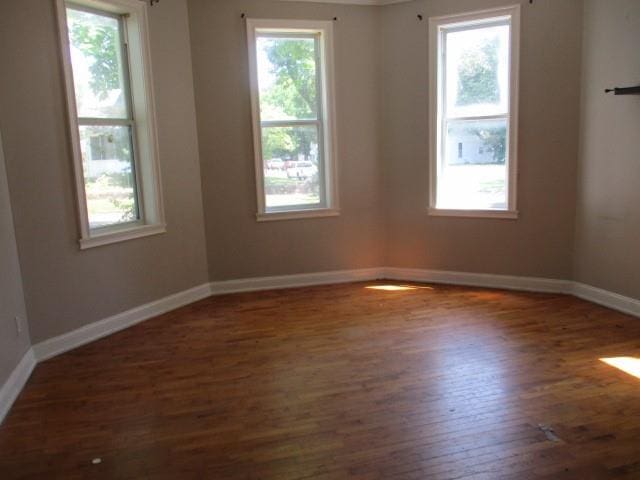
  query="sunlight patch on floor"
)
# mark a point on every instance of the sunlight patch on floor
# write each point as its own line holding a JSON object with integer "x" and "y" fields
{"x": 397, "y": 288}
{"x": 630, "y": 365}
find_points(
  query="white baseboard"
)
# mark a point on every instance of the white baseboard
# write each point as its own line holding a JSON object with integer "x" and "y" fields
{"x": 88, "y": 333}
{"x": 93, "y": 331}
{"x": 298, "y": 280}
{"x": 107, "y": 326}
{"x": 15, "y": 383}
{"x": 602, "y": 297}
{"x": 507, "y": 282}
{"x": 606, "y": 298}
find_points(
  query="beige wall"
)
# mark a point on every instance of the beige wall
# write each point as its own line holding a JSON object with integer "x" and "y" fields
{"x": 608, "y": 226}
{"x": 238, "y": 246}
{"x": 382, "y": 121}
{"x": 66, "y": 288}
{"x": 13, "y": 345}
{"x": 540, "y": 242}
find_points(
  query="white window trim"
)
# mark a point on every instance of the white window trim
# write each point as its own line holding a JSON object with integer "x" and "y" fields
{"x": 325, "y": 29}
{"x": 293, "y": 214}
{"x": 150, "y": 204}
{"x": 434, "y": 110}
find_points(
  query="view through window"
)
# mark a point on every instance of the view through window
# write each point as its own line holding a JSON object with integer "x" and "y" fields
{"x": 473, "y": 117}
{"x": 101, "y": 84}
{"x": 290, "y": 117}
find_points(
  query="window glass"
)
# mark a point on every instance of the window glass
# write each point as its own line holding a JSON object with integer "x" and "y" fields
{"x": 287, "y": 78}
{"x": 105, "y": 129}
{"x": 473, "y": 127}
{"x": 474, "y": 171}
{"x": 291, "y": 172}
{"x": 107, "y": 161}
{"x": 96, "y": 57}
{"x": 477, "y": 71}
{"x": 291, "y": 123}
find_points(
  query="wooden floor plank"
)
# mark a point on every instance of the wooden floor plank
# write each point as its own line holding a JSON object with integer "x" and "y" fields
{"x": 341, "y": 381}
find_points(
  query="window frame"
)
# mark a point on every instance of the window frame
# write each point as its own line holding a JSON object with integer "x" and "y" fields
{"x": 133, "y": 20}
{"x": 437, "y": 27}
{"x": 324, "y": 121}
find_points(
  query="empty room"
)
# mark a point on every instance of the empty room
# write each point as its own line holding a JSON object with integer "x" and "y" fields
{"x": 339, "y": 239}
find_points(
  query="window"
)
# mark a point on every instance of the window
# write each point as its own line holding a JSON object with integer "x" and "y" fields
{"x": 474, "y": 74}
{"x": 293, "y": 117}
{"x": 112, "y": 121}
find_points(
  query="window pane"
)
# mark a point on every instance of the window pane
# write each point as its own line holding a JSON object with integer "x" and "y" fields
{"x": 473, "y": 174}
{"x": 477, "y": 71}
{"x": 107, "y": 161}
{"x": 96, "y": 59}
{"x": 291, "y": 166}
{"x": 287, "y": 78}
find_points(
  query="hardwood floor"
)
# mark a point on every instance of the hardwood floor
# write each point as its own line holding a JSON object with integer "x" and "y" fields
{"x": 341, "y": 381}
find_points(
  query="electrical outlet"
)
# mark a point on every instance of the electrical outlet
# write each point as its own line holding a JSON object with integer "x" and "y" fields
{"x": 18, "y": 326}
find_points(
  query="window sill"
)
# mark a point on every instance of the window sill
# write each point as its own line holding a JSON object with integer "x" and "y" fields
{"x": 122, "y": 235}
{"x": 500, "y": 214}
{"x": 293, "y": 214}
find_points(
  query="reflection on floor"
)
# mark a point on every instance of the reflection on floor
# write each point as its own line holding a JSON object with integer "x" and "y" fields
{"x": 629, "y": 365}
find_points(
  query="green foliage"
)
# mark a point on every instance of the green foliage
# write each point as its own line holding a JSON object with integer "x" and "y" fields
{"x": 277, "y": 143}
{"x": 478, "y": 84}
{"x": 495, "y": 139}
{"x": 478, "y": 79}
{"x": 112, "y": 193}
{"x": 290, "y": 186}
{"x": 122, "y": 179}
{"x": 280, "y": 186}
{"x": 126, "y": 206}
{"x": 293, "y": 64}
{"x": 99, "y": 42}
{"x": 287, "y": 142}
{"x": 293, "y": 93}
